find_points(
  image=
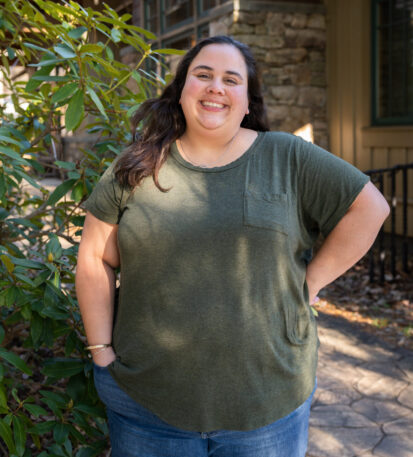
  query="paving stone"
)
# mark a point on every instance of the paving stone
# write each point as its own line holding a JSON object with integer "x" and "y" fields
{"x": 380, "y": 411}
{"x": 338, "y": 396}
{"x": 400, "y": 427}
{"x": 406, "y": 364}
{"x": 380, "y": 380}
{"x": 406, "y": 397}
{"x": 338, "y": 416}
{"x": 342, "y": 442}
{"x": 395, "y": 446}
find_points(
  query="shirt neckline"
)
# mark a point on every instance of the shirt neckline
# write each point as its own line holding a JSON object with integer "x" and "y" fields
{"x": 235, "y": 163}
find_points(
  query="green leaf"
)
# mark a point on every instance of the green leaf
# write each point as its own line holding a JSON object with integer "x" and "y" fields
{"x": 27, "y": 263}
{"x": 27, "y": 178}
{"x": 20, "y": 436}
{"x": 2, "y": 333}
{"x": 36, "y": 327}
{"x": 77, "y": 33}
{"x": 60, "y": 433}
{"x": 42, "y": 427}
{"x": 178, "y": 52}
{"x": 91, "y": 48}
{"x": 65, "y": 165}
{"x": 15, "y": 361}
{"x": 64, "y": 92}
{"x": 7, "y": 262}
{"x": 75, "y": 110}
{"x": 97, "y": 102}
{"x": 9, "y": 140}
{"x": 64, "y": 51}
{"x": 13, "y": 155}
{"x": 116, "y": 35}
{"x": 35, "y": 410}
{"x": 25, "y": 279}
{"x": 77, "y": 192}
{"x": 11, "y": 53}
{"x": 62, "y": 368}
{"x": 34, "y": 81}
{"x": 3, "y": 398}
{"x": 6, "y": 434}
{"x": 60, "y": 191}
{"x": 46, "y": 63}
{"x": 38, "y": 48}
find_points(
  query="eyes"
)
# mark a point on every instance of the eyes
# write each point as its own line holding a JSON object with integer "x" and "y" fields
{"x": 227, "y": 79}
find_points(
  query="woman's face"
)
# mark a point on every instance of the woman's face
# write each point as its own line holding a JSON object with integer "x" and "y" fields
{"x": 215, "y": 94}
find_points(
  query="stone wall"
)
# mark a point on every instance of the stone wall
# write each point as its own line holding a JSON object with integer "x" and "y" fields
{"x": 290, "y": 48}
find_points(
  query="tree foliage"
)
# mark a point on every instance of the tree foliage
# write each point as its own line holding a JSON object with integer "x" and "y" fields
{"x": 48, "y": 404}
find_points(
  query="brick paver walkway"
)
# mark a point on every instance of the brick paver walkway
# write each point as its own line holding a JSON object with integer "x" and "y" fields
{"x": 363, "y": 406}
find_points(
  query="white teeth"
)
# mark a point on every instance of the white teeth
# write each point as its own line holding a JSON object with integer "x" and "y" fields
{"x": 215, "y": 105}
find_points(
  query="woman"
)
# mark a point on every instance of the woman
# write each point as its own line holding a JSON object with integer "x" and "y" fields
{"x": 213, "y": 350}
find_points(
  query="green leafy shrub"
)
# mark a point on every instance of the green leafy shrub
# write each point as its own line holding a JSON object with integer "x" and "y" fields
{"x": 48, "y": 404}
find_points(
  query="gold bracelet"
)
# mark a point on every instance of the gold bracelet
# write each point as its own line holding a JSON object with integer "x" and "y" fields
{"x": 98, "y": 346}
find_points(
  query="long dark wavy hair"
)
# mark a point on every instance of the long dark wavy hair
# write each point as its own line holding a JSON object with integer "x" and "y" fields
{"x": 161, "y": 120}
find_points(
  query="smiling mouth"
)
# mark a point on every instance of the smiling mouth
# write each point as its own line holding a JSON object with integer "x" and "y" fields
{"x": 212, "y": 104}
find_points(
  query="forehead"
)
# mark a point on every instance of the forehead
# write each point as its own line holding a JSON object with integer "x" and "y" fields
{"x": 223, "y": 57}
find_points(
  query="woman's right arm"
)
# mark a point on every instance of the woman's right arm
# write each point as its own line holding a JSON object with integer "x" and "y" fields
{"x": 95, "y": 284}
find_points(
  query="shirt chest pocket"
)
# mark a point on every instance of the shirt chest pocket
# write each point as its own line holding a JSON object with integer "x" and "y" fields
{"x": 268, "y": 211}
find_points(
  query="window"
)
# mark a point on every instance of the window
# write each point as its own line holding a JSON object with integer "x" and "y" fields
{"x": 392, "y": 62}
{"x": 205, "y": 5}
{"x": 151, "y": 16}
{"x": 176, "y": 12}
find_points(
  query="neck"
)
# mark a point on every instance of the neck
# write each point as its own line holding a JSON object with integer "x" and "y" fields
{"x": 204, "y": 152}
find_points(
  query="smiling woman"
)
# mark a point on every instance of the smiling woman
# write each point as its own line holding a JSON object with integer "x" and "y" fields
{"x": 213, "y": 348}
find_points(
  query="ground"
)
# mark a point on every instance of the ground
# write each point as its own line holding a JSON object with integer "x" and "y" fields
{"x": 385, "y": 310}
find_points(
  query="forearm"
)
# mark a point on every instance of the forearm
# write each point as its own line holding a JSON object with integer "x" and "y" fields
{"x": 95, "y": 289}
{"x": 348, "y": 242}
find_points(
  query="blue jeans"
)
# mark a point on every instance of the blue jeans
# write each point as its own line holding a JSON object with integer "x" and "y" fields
{"x": 137, "y": 432}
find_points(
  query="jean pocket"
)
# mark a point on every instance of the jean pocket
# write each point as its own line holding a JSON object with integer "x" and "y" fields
{"x": 265, "y": 210}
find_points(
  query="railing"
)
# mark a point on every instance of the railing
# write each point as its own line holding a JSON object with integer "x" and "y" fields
{"x": 377, "y": 177}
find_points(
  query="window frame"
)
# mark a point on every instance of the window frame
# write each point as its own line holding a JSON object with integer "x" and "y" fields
{"x": 376, "y": 119}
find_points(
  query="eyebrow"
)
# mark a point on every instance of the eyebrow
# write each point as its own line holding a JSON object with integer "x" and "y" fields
{"x": 206, "y": 67}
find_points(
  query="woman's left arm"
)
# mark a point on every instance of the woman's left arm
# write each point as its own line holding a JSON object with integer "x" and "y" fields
{"x": 350, "y": 239}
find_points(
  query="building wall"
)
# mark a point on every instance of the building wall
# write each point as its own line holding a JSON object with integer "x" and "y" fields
{"x": 349, "y": 101}
{"x": 288, "y": 40}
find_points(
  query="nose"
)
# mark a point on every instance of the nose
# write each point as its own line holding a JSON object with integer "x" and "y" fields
{"x": 216, "y": 86}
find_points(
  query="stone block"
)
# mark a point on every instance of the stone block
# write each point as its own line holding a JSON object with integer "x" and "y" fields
{"x": 395, "y": 446}
{"x": 317, "y": 56}
{"x": 380, "y": 385}
{"x": 285, "y": 56}
{"x": 278, "y": 112}
{"x": 255, "y": 18}
{"x": 240, "y": 28}
{"x": 318, "y": 80}
{"x": 306, "y": 38}
{"x": 406, "y": 365}
{"x": 285, "y": 94}
{"x": 312, "y": 96}
{"x": 380, "y": 411}
{"x": 406, "y": 397}
{"x": 261, "y": 29}
{"x": 399, "y": 426}
{"x": 275, "y": 23}
{"x": 298, "y": 21}
{"x": 342, "y": 442}
{"x": 316, "y": 21}
{"x": 217, "y": 28}
{"x": 338, "y": 416}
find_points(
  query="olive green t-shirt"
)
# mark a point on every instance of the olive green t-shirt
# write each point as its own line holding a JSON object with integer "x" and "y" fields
{"x": 214, "y": 329}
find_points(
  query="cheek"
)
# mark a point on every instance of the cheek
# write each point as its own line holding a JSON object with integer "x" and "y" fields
{"x": 191, "y": 90}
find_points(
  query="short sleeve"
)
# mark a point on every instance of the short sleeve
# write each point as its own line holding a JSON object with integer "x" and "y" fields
{"x": 327, "y": 185}
{"x": 106, "y": 202}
